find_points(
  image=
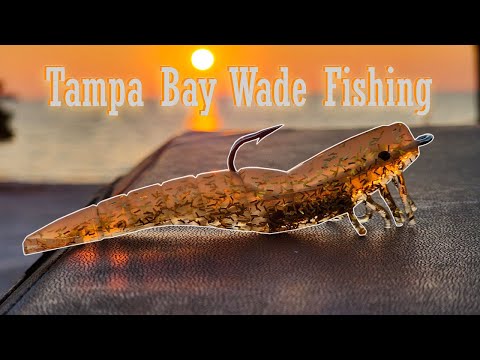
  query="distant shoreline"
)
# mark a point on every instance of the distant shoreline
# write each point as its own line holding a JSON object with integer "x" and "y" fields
{"x": 61, "y": 145}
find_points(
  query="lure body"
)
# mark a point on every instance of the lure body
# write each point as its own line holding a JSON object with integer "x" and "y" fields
{"x": 324, "y": 187}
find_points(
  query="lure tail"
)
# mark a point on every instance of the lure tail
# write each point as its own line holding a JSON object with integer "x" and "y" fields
{"x": 79, "y": 227}
{"x": 109, "y": 218}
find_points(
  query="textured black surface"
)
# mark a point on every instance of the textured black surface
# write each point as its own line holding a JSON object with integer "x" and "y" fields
{"x": 25, "y": 208}
{"x": 430, "y": 268}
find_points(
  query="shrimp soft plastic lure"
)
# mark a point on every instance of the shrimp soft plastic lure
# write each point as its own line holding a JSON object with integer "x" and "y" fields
{"x": 325, "y": 187}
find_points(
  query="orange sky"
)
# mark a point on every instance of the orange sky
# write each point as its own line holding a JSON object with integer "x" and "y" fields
{"x": 452, "y": 68}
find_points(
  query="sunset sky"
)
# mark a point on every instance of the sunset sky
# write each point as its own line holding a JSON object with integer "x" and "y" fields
{"x": 452, "y": 68}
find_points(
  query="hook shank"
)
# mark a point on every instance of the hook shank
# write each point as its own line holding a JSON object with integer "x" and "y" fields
{"x": 259, "y": 135}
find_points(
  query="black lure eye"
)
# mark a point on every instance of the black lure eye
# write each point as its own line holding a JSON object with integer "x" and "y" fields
{"x": 384, "y": 155}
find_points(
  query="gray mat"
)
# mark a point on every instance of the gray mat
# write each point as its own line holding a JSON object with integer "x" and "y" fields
{"x": 430, "y": 268}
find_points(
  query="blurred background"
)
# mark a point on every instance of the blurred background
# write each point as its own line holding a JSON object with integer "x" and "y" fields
{"x": 68, "y": 145}
{"x": 52, "y": 160}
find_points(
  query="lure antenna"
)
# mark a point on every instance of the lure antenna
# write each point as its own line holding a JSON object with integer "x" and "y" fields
{"x": 259, "y": 135}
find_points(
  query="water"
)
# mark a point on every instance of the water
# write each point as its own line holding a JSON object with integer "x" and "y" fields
{"x": 61, "y": 145}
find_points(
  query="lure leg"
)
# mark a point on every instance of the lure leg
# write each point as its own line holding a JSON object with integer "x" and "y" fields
{"x": 367, "y": 216}
{"x": 359, "y": 228}
{"x": 397, "y": 213}
{"x": 410, "y": 201}
{"x": 380, "y": 209}
{"x": 337, "y": 218}
{"x": 412, "y": 204}
{"x": 399, "y": 182}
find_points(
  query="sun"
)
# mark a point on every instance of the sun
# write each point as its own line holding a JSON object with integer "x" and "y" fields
{"x": 202, "y": 59}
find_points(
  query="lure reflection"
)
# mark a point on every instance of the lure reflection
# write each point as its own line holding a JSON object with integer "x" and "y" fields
{"x": 325, "y": 187}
